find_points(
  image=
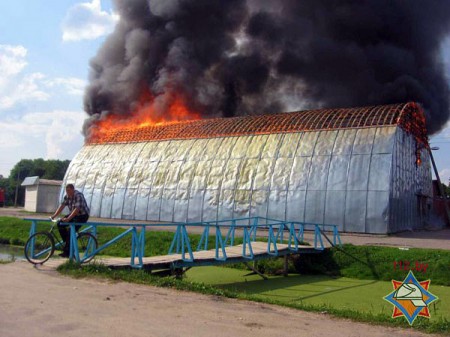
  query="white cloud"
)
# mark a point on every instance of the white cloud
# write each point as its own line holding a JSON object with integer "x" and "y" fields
{"x": 26, "y": 88}
{"x": 87, "y": 21}
{"x": 17, "y": 86}
{"x": 446, "y": 131}
{"x": 50, "y": 135}
{"x": 12, "y": 60}
{"x": 445, "y": 176}
{"x": 71, "y": 85}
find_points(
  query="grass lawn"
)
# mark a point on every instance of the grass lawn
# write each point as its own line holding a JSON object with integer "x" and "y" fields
{"x": 315, "y": 290}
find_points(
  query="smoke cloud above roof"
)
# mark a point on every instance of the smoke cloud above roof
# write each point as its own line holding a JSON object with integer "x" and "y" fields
{"x": 238, "y": 57}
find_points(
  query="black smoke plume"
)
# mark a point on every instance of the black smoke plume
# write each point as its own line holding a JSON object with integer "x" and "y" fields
{"x": 237, "y": 57}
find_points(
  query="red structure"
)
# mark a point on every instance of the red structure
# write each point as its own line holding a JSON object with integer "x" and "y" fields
{"x": 2, "y": 197}
{"x": 409, "y": 116}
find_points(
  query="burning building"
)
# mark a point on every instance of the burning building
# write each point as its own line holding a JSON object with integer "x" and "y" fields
{"x": 364, "y": 169}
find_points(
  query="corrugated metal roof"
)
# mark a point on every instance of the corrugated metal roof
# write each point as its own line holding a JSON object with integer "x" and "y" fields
{"x": 30, "y": 181}
{"x": 409, "y": 116}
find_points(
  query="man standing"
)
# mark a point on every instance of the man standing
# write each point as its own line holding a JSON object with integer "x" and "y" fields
{"x": 79, "y": 213}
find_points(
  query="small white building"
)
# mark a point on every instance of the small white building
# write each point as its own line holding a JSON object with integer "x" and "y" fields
{"x": 41, "y": 195}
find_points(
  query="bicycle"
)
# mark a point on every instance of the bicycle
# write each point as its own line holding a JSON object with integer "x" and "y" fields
{"x": 41, "y": 245}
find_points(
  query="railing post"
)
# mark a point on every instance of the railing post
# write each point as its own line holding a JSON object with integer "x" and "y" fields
{"x": 282, "y": 232}
{"x": 185, "y": 241}
{"x": 142, "y": 248}
{"x": 247, "y": 241}
{"x": 32, "y": 232}
{"x": 336, "y": 235}
{"x": 272, "y": 240}
{"x": 137, "y": 246}
{"x": 133, "y": 246}
{"x": 73, "y": 252}
{"x": 318, "y": 237}
{"x": 204, "y": 239}
{"x": 175, "y": 241}
{"x": 33, "y": 227}
{"x": 292, "y": 236}
{"x": 219, "y": 243}
{"x": 255, "y": 227}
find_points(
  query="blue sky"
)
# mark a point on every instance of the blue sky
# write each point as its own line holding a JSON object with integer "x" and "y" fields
{"x": 45, "y": 48}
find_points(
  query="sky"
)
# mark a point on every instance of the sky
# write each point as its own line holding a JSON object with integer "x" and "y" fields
{"x": 45, "y": 48}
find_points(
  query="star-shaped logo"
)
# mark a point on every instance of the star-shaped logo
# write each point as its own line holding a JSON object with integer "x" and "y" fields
{"x": 411, "y": 298}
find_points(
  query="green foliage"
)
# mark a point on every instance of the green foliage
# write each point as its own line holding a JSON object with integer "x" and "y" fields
{"x": 446, "y": 189}
{"x": 360, "y": 262}
{"x": 380, "y": 263}
{"x": 45, "y": 169}
{"x": 14, "y": 231}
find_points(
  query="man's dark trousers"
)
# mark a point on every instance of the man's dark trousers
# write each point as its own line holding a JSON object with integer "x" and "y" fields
{"x": 64, "y": 230}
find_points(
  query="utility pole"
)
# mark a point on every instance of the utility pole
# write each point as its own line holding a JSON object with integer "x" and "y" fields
{"x": 17, "y": 188}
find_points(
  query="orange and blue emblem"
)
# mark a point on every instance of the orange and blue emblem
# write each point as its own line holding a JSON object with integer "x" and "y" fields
{"x": 411, "y": 298}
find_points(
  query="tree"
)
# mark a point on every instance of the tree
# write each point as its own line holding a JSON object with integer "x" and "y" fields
{"x": 446, "y": 189}
{"x": 45, "y": 169}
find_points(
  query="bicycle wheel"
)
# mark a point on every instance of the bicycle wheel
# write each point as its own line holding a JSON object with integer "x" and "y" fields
{"x": 39, "y": 247}
{"x": 87, "y": 245}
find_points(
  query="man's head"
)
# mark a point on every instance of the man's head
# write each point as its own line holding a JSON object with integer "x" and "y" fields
{"x": 70, "y": 190}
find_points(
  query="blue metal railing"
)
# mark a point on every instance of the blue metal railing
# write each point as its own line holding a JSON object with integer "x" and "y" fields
{"x": 274, "y": 231}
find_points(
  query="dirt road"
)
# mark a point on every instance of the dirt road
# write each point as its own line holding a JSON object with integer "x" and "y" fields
{"x": 43, "y": 303}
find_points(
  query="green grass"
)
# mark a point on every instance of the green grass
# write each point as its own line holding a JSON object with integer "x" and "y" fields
{"x": 365, "y": 262}
{"x": 359, "y": 300}
{"x": 5, "y": 262}
{"x": 317, "y": 290}
{"x": 369, "y": 262}
{"x": 16, "y": 231}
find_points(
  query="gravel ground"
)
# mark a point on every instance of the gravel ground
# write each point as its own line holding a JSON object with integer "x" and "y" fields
{"x": 42, "y": 303}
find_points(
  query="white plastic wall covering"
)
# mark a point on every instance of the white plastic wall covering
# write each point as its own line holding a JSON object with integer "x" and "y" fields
{"x": 337, "y": 178}
{"x": 129, "y": 154}
{"x": 291, "y": 146}
{"x": 209, "y": 202}
{"x": 271, "y": 151}
{"x": 129, "y": 200}
{"x": 148, "y": 162}
{"x": 210, "y": 198}
{"x": 153, "y": 181}
{"x": 368, "y": 178}
{"x": 328, "y": 201}
{"x": 224, "y": 153}
{"x": 135, "y": 175}
{"x": 256, "y": 151}
{"x": 169, "y": 191}
{"x": 310, "y": 198}
{"x": 403, "y": 204}
{"x": 99, "y": 165}
{"x": 363, "y": 180}
{"x": 349, "y": 150}
{"x": 237, "y": 197}
{"x": 198, "y": 183}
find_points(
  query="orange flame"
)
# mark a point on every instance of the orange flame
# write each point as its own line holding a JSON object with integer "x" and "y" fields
{"x": 145, "y": 115}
